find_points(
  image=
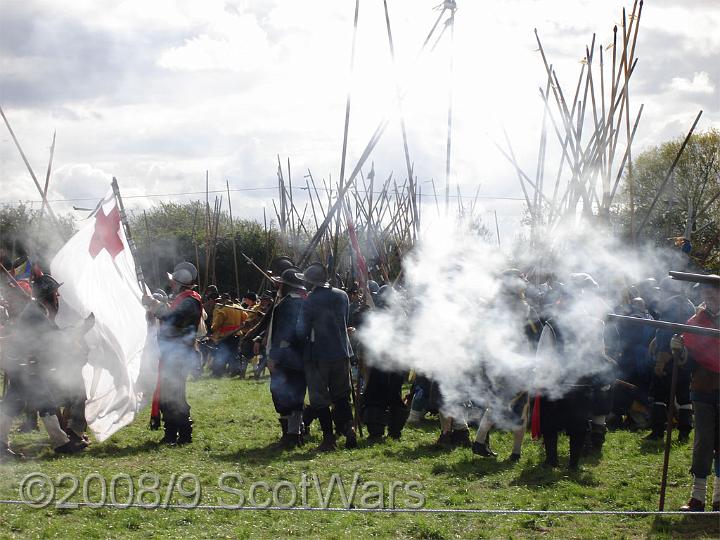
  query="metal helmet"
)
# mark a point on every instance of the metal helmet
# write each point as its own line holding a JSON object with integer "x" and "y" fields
{"x": 671, "y": 286}
{"x": 384, "y": 296}
{"x": 184, "y": 274}
{"x": 315, "y": 274}
{"x": 638, "y": 305}
{"x": 373, "y": 287}
{"x": 44, "y": 286}
{"x": 512, "y": 280}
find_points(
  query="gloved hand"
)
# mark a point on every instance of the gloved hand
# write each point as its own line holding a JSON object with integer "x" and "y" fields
{"x": 677, "y": 346}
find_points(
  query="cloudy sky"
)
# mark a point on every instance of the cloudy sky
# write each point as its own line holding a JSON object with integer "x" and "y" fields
{"x": 156, "y": 93}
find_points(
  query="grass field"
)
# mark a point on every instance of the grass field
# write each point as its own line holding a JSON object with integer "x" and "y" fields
{"x": 235, "y": 423}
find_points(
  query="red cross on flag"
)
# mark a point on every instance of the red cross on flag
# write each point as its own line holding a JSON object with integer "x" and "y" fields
{"x": 98, "y": 273}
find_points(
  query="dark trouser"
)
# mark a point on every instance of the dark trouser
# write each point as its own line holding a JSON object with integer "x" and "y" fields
{"x": 570, "y": 414}
{"x": 29, "y": 389}
{"x": 660, "y": 392}
{"x": 707, "y": 437}
{"x": 287, "y": 388}
{"x": 226, "y": 356}
{"x": 175, "y": 365}
{"x": 72, "y": 398}
{"x": 383, "y": 404}
{"x": 329, "y": 384}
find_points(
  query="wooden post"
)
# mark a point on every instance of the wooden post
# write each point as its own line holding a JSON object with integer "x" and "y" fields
{"x": 668, "y": 436}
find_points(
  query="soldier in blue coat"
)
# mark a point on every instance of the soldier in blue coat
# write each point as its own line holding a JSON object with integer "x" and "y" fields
{"x": 676, "y": 308}
{"x": 323, "y": 322}
{"x": 285, "y": 348}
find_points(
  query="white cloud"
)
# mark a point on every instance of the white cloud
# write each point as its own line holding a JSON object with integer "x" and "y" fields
{"x": 700, "y": 84}
{"x": 235, "y": 42}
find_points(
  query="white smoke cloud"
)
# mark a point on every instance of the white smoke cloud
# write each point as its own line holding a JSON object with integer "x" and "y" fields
{"x": 455, "y": 322}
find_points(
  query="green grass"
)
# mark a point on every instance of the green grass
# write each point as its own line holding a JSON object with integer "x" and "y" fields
{"x": 235, "y": 423}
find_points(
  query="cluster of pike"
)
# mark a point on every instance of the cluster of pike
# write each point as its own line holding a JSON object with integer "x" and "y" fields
{"x": 383, "y": 218}
{"x": 595, "y": 130}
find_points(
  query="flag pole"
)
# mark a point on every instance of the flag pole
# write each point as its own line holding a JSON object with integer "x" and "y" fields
{"x": 130, "y": 241}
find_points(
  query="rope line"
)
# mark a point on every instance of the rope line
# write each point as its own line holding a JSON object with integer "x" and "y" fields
{"x": 500, "y": 511}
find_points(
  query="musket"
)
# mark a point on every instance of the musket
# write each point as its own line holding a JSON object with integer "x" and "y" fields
{"x": 664, "y": 325}
{"x": 629, "y": 386}
{"x": 252, "y": 263}
{"x": 705, "y": 279}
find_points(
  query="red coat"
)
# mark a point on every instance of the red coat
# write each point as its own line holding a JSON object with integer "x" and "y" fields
{"x": 705, "y": 350}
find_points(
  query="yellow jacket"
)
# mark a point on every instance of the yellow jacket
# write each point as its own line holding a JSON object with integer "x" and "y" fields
{"x": 227, "y": 321}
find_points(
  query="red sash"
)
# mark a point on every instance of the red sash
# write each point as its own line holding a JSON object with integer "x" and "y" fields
{"x": 535, "y": 421}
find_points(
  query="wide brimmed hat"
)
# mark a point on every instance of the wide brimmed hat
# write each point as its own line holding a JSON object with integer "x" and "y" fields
{"x": 290, "y": 278}
{"x": 44, "y": 286}
{"x": 315, "y": 274}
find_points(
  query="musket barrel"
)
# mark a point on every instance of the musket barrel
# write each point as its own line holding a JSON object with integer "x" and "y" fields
{"x": 707, "y": 279}
{"x": 664, "y": 325}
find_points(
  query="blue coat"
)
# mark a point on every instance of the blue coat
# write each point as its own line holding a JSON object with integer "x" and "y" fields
{"x": 323, "y": 321}
{"x": 676, "y": 309}
{"x": 286, "y": 345}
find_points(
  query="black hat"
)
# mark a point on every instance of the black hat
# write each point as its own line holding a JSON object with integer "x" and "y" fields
{"x": 44, "y": 286}
{"x": 251, "y": 295}
{"x": 290, "y": 277}
{"x": 315, "y": 274}
{"x": 279, "y": 265}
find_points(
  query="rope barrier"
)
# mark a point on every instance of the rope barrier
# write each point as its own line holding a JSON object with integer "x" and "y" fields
{"x": 488, "y": 511}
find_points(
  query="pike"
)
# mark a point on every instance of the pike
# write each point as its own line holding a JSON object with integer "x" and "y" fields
{"x": 256, "y": 267}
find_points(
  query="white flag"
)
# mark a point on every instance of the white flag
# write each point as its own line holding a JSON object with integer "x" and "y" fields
{"x": 98, "y": 275}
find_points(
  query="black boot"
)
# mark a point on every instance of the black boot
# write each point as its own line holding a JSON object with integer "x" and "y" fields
{"x": 327, "y": 444}
{"x": 658, "y": 419}
{"x": 289, "y": 441}
{"x": 185, "y": 433}
{"x": 460, "y": 437}
{"x": 444, "y": 441}
{"x": 308, "y": 417}
{"x": 171, "y": 434}
{"x": 684, "y": 424}
{"x": 577, "y": 440}
{"x": 398, "y": 418}
{"x": 483, "y": 449}
{"x": 551, "y": 453}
